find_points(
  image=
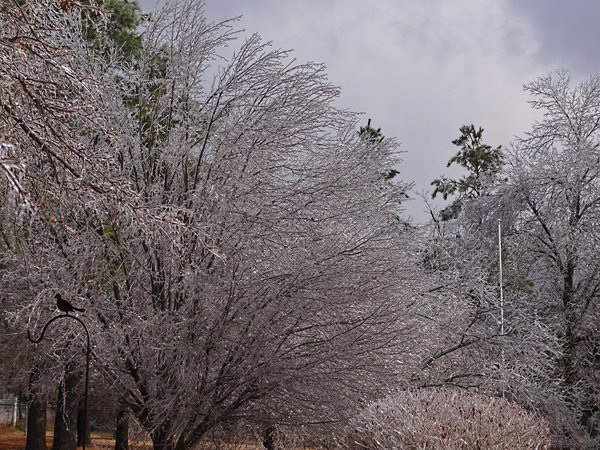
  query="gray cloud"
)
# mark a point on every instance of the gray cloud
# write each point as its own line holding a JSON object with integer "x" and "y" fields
{"x": 567, "y": 31}
{"x": 422, "y": 69}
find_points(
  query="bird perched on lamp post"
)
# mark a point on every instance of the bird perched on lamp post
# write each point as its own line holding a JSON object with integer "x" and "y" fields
{"x": 64, "y": 306}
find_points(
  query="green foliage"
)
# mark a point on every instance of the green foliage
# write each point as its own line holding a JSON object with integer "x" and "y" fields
{"x": 124, "y": 20}
{"x": 390, "y": 174}
{"x": 120, "y": 31}
{"x": 371, "y": 134}
{"x": 155, "y": 121}
{"x": 374, "y": 136}
{"x": 109, "y": 232}
{"x": 483, "y": 163}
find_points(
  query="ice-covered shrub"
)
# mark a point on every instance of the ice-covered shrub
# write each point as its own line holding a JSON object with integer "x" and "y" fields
{"x": 446, "y": 419}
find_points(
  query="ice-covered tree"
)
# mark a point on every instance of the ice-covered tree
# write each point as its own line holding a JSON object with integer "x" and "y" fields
{"x": 548, "y": 204}
{"x": 482, "y": 161}
{"x": 554, "y": 172}
{"x": 53, "y": 103}
{"x": 227, "y": 230}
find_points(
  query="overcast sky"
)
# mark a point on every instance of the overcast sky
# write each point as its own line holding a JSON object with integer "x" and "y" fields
{"x": 422, "y": 68}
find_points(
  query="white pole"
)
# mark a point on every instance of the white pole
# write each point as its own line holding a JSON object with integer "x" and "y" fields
{"x": 15, "y": 411}
{"x": 500, "y": 279}
{"x": 501, "y": 301}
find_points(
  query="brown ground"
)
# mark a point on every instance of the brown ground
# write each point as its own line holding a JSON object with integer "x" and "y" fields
{"x": 14, "y": 439}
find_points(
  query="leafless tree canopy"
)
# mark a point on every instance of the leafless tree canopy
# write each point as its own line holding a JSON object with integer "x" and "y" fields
{"x": 241, "y": 254}
{"x": 229, "y": 232}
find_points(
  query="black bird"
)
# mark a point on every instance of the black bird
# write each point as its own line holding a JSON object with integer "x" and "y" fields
{"x": 65, "y": 306}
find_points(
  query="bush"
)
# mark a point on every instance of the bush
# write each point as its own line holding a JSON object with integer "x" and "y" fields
{"x": 446, "y": 419}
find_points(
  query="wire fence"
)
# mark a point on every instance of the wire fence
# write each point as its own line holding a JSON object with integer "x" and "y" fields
{"x": 12, "y": 410}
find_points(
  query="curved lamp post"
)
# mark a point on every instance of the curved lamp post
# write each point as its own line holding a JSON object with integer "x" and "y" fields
{"x": 87, "y": 363}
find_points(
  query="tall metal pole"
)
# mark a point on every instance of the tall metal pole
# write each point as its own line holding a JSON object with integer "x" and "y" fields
{"x": 87, "y": 364}
{"x": 500, "y": 279}
{"x": 500, "y": 282}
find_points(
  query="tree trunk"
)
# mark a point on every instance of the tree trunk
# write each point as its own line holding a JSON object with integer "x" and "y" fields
{"x": 36, "y": 424}
{"x": 591, "y": 414}
{"x": 590, "y": 419}
{"x": 122, "y": 430}
{"x": 66, "y": 412}
{"x": 570, "y": 342}
{"x": 161, "y": 442}
{"x": 80, "y": 426}
{"x": 36, "y": 415}
{"x": 162, "y": 439}
{"x": 269, "y": 438}
{"x": 571, "y": 361}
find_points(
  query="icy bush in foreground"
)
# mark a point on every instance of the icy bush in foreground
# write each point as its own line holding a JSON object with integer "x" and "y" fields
{"x": 448, "y": 419}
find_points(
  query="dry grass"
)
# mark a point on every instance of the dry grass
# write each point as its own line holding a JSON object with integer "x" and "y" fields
{"x": 14, "y": 439}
